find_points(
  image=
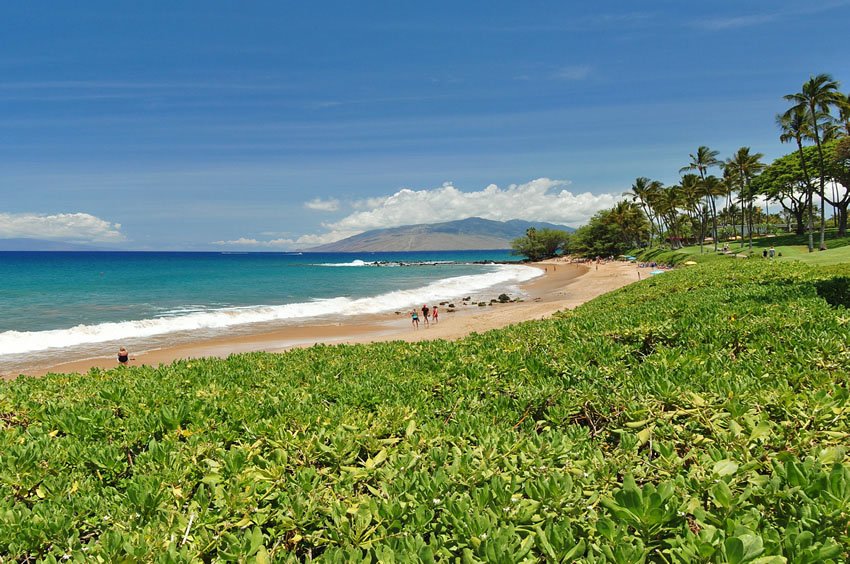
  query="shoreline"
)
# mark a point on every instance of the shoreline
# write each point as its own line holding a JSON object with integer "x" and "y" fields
{"x": 564, "y": 285}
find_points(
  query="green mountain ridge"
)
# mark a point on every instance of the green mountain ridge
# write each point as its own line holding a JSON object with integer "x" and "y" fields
{"x": 473, "y": 233}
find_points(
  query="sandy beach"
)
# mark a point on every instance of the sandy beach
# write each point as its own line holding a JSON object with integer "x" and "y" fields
{"x": 563, "y": 285}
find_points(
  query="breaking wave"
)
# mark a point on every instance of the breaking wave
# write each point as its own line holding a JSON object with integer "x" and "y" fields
{"x": 193, "y": 318}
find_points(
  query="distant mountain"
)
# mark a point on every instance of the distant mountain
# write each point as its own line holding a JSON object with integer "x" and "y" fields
{"x": 43, "y": 245}
{"x": 473, "y": 233}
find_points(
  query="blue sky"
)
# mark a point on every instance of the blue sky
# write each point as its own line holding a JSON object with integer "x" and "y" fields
{"x": 272, "y": 125}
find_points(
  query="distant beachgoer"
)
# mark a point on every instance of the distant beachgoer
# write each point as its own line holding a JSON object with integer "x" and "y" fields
{"x": 425, "y": 313}
{"x": 434, "y": 314}
{"x": 772, "y": 252}
{"x": 124, "y": 357}
{"x": 414, "y": 319}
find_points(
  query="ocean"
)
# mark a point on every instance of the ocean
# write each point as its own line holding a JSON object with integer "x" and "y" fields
{"x": 58, "y": 306}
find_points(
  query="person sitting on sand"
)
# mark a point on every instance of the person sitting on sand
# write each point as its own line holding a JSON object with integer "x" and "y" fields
{"x": 124, "y": 357}
{"x": 434, "y": 314}
{"x": 425, "y": 312}
{"x": 414, "y": 319}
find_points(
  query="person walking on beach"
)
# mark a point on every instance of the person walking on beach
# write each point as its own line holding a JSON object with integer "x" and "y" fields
{"x": 434, "y": 314}
{"x": 414, "y": 319}
{"x": 124, "y": 357}
{"x": 425, "y": 312}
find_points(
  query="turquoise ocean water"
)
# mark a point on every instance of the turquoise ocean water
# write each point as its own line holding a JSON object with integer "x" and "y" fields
{"x": 64, "y": 306}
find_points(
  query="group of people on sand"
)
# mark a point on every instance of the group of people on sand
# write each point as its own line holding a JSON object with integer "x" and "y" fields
{"x": 428, "y": 314}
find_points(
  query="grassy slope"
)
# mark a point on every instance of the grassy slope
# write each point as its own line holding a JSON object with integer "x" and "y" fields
{"x": 788, "y": 247}
{"x": 701, "y": 414}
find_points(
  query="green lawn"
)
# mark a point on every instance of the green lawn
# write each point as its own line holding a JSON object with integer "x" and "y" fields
{"x": 787, "y": 247}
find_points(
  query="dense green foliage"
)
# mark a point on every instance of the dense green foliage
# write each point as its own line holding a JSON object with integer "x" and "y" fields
{"x": 611, "y": 232}
{"x": 701, "y": 415}
{"x": 540, "y": 244}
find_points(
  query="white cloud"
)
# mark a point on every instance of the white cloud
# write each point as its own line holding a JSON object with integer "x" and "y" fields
{"x": 574, "y": 72}
{"x": 539, "y": 200}
{"x": 71, "y": 227}
{"x": 318, "y": 204}
{"x": 368, "y": 203}
{"x": 736, "y": 21}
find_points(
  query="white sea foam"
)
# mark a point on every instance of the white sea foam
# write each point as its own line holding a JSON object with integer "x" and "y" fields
{"x": 16, "y": 342}
{"x": 356, "y": 262}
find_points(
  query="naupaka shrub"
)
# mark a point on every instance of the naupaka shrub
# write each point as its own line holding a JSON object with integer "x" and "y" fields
{"x": 698, "y": 416}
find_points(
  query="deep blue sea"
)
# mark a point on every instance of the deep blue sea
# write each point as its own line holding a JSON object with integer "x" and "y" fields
{"x": 79, "y": 304}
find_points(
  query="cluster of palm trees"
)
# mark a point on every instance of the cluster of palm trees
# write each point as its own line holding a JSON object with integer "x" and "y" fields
{"x": 688, "y": 211}
{"x": 810, "y": 118}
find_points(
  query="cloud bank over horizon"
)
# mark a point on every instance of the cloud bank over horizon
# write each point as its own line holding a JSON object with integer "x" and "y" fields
{"x": 70, "y": 227}
{"x": 543, "y": 199}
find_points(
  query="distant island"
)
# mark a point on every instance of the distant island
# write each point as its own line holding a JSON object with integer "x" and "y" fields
{"x": 24, "y": 244}
{"x": 469, "y": 234}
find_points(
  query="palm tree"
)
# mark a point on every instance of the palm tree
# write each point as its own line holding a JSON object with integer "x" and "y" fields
{"x": 817, "y": 95}
{"x": 714, "y": 187}
{"x": 729, "y": 180}
{"x": 654, "y": 201}
{"x": 746, "y": 166}
{"x": 701, "y": 161}
{"x": 690, "y": 192}
{"x": 631, "y": 220}
{"x": 844, "y": 112}
{"x": 642, "y": 191}
{"x": 795, "y": 125}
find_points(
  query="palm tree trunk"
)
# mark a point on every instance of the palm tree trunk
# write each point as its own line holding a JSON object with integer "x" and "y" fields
{"x": 810, "y": 189}
{"x": 822, "y": 178}
{"x": 701, "y": 233}
{"x": 834, "y": 206}
{"x": 729, "y": 209}
{"x": 750, "y": 212}
{"x": 743, "y": 219}
{"x": 714, "y": 220}
{"x": 811, "y": 226}
{"x": 651, "y": 224}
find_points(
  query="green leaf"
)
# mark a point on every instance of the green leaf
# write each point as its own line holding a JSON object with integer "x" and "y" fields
{"x": 725, "y": 467}
{"x": 734, "y": 550}
{"x": 411, "y": 428}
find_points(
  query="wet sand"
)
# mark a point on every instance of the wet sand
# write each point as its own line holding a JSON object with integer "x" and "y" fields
{"x": 564, "y": 285}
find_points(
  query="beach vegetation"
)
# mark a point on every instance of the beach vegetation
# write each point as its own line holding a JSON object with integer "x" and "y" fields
{"x": 611, "y": 232}
{"x": 742, "y": 167}
{"x": 700, "y": 415}
{"x": 701, "y": 161}
{"x": 645, "y": 192}
{"x": 541, "y": 244}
